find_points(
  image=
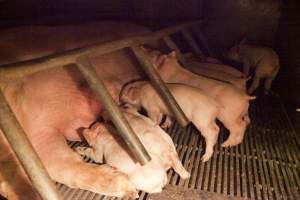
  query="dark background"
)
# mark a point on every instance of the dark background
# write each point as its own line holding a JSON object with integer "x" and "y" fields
{"x": 274, "y": 23}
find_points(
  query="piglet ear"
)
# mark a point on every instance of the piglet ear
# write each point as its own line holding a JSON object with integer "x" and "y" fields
{"x": 133, "y": 94}
{"x": 173, "y": 54}
{"x": 160, "y": 60}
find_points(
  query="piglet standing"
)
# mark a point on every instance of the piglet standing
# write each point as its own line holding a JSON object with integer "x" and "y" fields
{"x": 264, "y": 60}
{"x": 233, "y": 102}
{"x": 199, "y": 108}
{"x": 151, "y": 177}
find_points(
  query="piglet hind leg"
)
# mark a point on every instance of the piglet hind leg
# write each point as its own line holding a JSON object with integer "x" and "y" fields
{"x": 65, "y": 166}
{"x": 178, "y": 167}
{"x": 269, "y": 80}
{"x": 237, "y": 132}
{"x": 254, "y": 84}
{"x": 210, "y": 135}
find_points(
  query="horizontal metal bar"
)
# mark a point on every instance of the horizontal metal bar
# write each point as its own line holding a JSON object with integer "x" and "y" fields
{"x": 25, "y": 153}
{"x": 160, "y": 87}
{"x": 125, "y": 131}
{"x": 20, "y": 69}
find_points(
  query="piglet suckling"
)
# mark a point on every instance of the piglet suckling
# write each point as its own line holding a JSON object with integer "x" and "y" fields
{"x": 199, "y": 108}
{"x": 264, "y": 60}
{"x": 152, "y": 177}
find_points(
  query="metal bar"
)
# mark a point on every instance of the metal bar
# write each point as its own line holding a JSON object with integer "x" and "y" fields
{"x": 25, "y": 153}
{"x": 160, "y": 87}
{"x": 202, "y": 39}
{"x": 168, "y": 31}
{"x": 17, "y": 70}
{"x": 124, "y": 129}
{"x": 172, "y": 45}
{"x": 193, "y": 44}
{"x": 20, "y": 69}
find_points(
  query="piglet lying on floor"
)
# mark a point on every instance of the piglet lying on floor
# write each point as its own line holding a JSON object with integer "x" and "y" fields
{"x": 199, "y": 108}
{"x": 151, "y": 177}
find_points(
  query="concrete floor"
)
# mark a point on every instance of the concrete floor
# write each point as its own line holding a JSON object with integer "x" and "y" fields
{"x": 180, "y": 193}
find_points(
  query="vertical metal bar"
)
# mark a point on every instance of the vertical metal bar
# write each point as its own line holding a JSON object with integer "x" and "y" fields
{"x": 124, "y": 129}
{"x": 25, "y": 153}
{"x": 160, "y": 87}
{"x": 193, "y": 44}
{"x": 172, "y": 45}
{"x": 202, "y": 39}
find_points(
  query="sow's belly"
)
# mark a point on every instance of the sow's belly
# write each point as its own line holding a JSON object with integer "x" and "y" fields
{"x": 60, "y": 98}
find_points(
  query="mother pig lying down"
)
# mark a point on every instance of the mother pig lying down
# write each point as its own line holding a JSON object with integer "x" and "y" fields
{"x": 233, "y": 102}
{"x": 151, "y": 177}
{"x": 56, "y": 104}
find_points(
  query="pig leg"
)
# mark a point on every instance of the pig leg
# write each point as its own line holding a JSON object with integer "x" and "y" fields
{"x": 155, "y": 115}
{"x": 210, "y": 135}
{"x": 177, "y": 166}
{"x": 173, "y": 156}
{"x": 254, "y": 85}
{"x": 90, "y": 152}
{"x": 65, "y": 166}
{"x": 237, "y": 131}
{"x": 167, "y": 123}
{"x": 269, "y": 81}
{"x": 246, "y": 68}
{"x": 268, "y": 84}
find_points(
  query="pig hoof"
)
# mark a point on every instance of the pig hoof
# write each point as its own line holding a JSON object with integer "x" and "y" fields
{"x": 167, "y": 123}
{"x": 205, "y": 158}
{"x": 230, "y": 143}
{"x": 185, "y": 175}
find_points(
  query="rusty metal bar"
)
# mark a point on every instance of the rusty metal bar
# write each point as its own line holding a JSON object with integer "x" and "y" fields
{"x": 193, "y": 44}
{"x": 172, "y": 45}
{"x": 25, "y": 153}
{"x": 20, "y": 69}
{"x": 124, "y": 129}
{"x": 160, "y": 87}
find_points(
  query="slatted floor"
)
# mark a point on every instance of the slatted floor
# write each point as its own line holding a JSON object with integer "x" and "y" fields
{"x": 264, "y": 166}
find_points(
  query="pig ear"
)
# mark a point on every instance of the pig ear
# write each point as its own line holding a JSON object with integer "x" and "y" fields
{"x": 160, "y": 60}
{"x": 133, "y": 95}
{"x": 173, "y": 54}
